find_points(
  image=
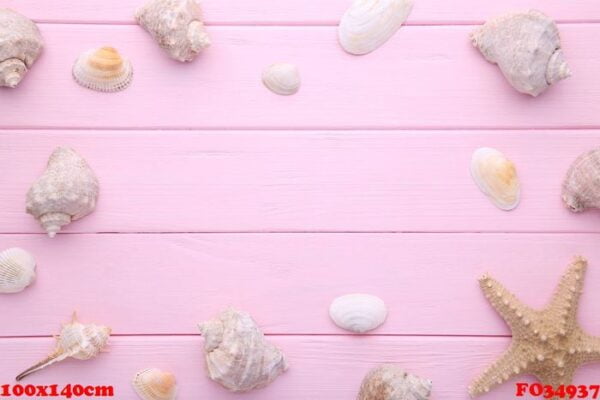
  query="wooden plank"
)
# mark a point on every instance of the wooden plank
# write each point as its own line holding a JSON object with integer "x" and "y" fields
{"x": 299, "y": 181}
{"x": 425, "y": 77}
{"x": 148, "y": 284}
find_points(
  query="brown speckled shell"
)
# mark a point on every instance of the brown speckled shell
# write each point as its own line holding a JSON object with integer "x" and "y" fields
{"x": 581, "y": 187}
{"x": 390, "y": 382}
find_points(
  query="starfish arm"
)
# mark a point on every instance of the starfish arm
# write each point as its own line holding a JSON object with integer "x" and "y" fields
{"x": 590, "y": 348}
{"x": 499, "y": 372}
{"x": 556, "y": 377}
{"x": 566, "y": 298}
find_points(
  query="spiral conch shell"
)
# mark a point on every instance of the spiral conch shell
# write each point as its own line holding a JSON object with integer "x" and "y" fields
{"x": 358, "y": 312}
{"x": 282, "y": 78}
{"x": 103, "y": 70}
{"x": 76, "y": 340}
{"x": 154, "y": 384}
{"x": 526, "y": 47}
{"x": 389, "y": 382}
{"x": 17, "y": 270}
{"x": 66, "y": 191}
{"x": 177, "y": 27}
{"x": 581, "y": 187}
{"x": 20, "y": 45}
{"x": 497, "y": 177}
{"x": 237, "y": 354}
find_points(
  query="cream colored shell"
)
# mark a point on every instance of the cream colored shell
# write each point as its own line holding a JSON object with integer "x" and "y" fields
{"x": 17, "y": 270}
{"x": 581, "y": 186}
{"x": 154, "y": 384}
{"x": 282, "y": 78}
{"x": 497, "y": 177}
{"x": 390, "y": 382}
{"x": 358, "y": 312}
{"x": 103, "y": 70}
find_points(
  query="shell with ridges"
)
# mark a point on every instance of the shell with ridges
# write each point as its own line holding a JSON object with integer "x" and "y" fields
{"x": 17, "y": 270}
{"x": 282, "y": 78}
{"x": 154, "y": 384}
{"x": 389, "y": 382}
{"x": 497, "y": 177}
{"x": 103, "y": 70}
{"x": 358, "y": 312}
{"x": 581, "y": 187}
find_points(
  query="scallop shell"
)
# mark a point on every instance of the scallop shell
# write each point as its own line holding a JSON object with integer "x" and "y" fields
{"x": 177, "y": 27}
{"x": 389, "y": 382}
{"x": 497, "y": 177}
{"x": 526, "y": 46}
{"x": 368, "y": 24}
{"x": 154, "y": 384}
{"x": 65, "y": 192}
{"x": 76, "y": 340}
{"x": 282, "y": 78}
{"x": 581, "y": 187}
{"x": 17, "y": 270}
{"x": 237, "y": 354}
{"x": 358, "y": 312}
{"x": 103, "y": 70}
{"x": 20, "y": 45}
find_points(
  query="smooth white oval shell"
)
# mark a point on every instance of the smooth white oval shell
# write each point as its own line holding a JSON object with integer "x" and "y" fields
{"x": 17, "y": 270}
{"x": 282, "y": 78}
{"x": 154, "y": 384}
{"x": 103, "y": 70}
{"x": 370, "y": 23}
{"x": 358, "y": 312}
{"x": 497, "y": 177}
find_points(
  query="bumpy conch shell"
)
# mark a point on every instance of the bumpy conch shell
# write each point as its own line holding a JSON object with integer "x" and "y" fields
{"x": 103, "y": 70}
{"x": 497, "y": 177}
{"x": 76, "y": 340}
{"x": 526, "y": 47}
{"x": 581, "y": 187}
{"x": 66, "y": 191}
{"x": 282, "y": 78}
{"x": 370, "y": 23}
{"x": 358, "y": 312}
{"x": 237, "y": 354}
{"x": 176, "y": 25}
{"x": 20, "y": 45}
{"x": 154, "y": 384}
{"x": 17, "y": 270}
{"x": 389, "y": 382}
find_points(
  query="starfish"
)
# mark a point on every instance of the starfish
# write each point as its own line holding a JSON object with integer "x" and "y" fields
{"x": 548, "y": 343}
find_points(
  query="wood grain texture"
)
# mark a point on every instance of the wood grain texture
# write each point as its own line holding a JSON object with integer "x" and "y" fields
{"x": 424, "y": 77}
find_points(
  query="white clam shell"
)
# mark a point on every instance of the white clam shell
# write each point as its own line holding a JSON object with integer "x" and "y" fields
{"x": 282, "y": 78}
{"x": 154, "y": 384}
{"x": 497, "y": 177}
{"x": 17, "y": 270}
{"x": 358, "y": 312}
{"x": 103, "y": 70}
{"x": 368, "y": 24}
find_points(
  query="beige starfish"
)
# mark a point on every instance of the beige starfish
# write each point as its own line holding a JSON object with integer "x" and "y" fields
{"x": 548, "y": 344}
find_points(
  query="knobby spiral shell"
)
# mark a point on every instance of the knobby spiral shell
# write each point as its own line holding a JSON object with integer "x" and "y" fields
{"x": 581, "y": 186}
{"x": 390, "y": 382}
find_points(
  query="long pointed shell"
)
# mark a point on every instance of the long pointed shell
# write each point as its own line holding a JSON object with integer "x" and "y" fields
{"x": 282, "y": 78}
{"x": 358, "y": 312}
{"x": 65, "y": 192}
{"x": 103, "y": 70}
{"x": 237, "y": 354}
{"x": 368, "y": 24}
{"x": 526, "y": 47}
{"x": 497, "y": 177}
{"x": 20, "y": 45}
{"x": 581, "y": 187}
{"x": 177, "y": 27}
{"x": 154, "y": 384}
{"x": 389, "y": 382}
{"x": 17, "y": 270}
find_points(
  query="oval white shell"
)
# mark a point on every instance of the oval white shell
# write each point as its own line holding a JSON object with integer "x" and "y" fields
{"x": 282, "y": 78}
{"x": 17, "y": 270}
{"x": 389, "y": 382}
{"x": 368, "y": 24}
{"x": 497, "y": 177}
{"x": 581, "y": 187}
{"x": 358, "y": 312}
{"x": 154, "y": 384}
{"x": 103, "y": 70}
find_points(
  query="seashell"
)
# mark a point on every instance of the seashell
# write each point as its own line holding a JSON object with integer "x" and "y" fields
{"x": 103, "y": 70}
{"x": 154, "y": 384}
{"x": 237, "y": 354}
{"x": 66, "y": 191}
{"x": 368, "y": 24}
{"x": 581, "y": 187}
{"x": 497, "y": 177}
{"x": 389, "y": 382}
{"x": 526, "y": 47}
{"x": 76, "y": 340}
{"x": 20, "y": 45}
{"x": 282, "y": 78}
{"x": 176, "y": 25}
{"x": 17, "y": 270}
{"x": 358, "y": 312}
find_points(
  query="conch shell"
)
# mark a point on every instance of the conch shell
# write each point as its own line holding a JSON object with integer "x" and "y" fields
{"x": 581, "y": 187}
{"x": 17, "y": 270}
{"x": 358, "y": 312}
{"x": 282, "y": 78}
{"x": 76, "y": 340}
{"x": 368, "y": 24}
{"x": 20, "y": 45}
{"x": 237, "y": 354}
{"x": 497, "y": 177}
{"x": 389, "y": 382}
{"x": 103, "y": 70}
{"x": 176, "y": 25}
{"x": 154, "y": 384}
{"x": 66, "y": 191}
{"x": 526, "y": 47}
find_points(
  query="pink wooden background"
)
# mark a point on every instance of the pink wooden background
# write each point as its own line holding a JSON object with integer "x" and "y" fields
{"x": 216, "y": 192}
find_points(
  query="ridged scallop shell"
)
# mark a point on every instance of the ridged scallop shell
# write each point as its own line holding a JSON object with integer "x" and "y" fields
{"x": 103, "y": 70}
{"x": 237, "y": 354}
{"x": 17, "y": 270}
{"x": 154, "y": 384}
{"x": 389, "y": 382}
{"x": 581, "y": 187}
{"x": 497, "y": 177}
{"x": 368, "y": 24}
{"x": 20, "y": 45}
{"x": 358, "y": 312}
{"x": 526, "y": 46}
{"x": 66, "y": 191}
{"x": 282, "y": 78}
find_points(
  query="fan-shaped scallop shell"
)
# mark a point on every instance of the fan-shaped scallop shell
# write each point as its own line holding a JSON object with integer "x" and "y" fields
{"x": 581, "y": 187}
{"x": 154, "y": 384}
{"x": 389, "y": 382}
{"x": 17, "y": 270}
{"x": 358, "y": 312}
{"x": 282, "y": 78}
{"x": 103, "y": 70}
{"x": 497, "y": 177}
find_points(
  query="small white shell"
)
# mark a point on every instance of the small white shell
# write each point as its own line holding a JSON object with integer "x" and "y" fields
{"x": 497, "y": 177}
{"x": 17, "y": 270}
{"x": 282, "y": 78}
{"x": 358, "y": 312}
{"x": 154, "y": 384}
{"x": 103, "y": 70}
